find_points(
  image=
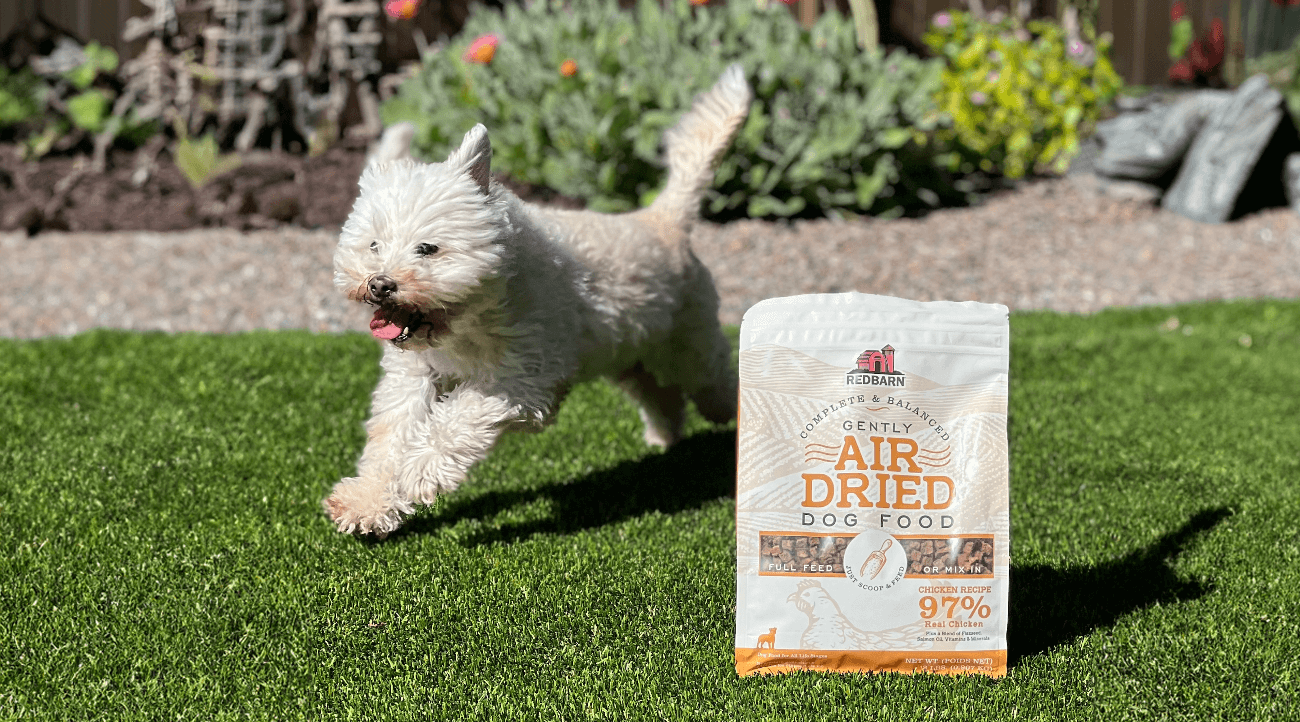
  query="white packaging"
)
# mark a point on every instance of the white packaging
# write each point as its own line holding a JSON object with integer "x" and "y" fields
{"x": 842, "y": 395}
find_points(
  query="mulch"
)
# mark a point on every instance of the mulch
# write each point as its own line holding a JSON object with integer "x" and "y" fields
{"x": 267, "y": 190}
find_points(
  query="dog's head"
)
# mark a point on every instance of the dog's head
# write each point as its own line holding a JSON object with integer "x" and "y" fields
{"x": 421, "y": 241}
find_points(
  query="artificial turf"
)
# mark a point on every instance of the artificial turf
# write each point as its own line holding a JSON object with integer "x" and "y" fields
{"x": 164, "y": 553}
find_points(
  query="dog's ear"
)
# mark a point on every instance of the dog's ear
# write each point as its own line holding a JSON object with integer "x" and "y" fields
{"x": 474, "y": 156}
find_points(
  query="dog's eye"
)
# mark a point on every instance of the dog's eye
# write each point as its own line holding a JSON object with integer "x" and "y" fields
{"x": 374, "y": 246}
{"x": 426, "y": 249}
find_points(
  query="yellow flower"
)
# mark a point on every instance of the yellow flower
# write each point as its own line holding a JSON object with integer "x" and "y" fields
{"x": 569, "y": 67}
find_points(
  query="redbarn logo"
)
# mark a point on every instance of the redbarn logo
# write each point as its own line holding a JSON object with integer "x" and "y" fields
{"x": 875, "y": 368}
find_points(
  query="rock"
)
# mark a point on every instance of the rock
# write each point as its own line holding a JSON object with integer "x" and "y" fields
{"x": 1132, "y": 104}
{"x": 1096, "y": 185}
{"x": 1291, "y": 181}
{"x": 1133, "y": 191}
{"x": 1085, "y": 163}
{"x": 1148, "y": 145}
{"x": 1235, "y": 164}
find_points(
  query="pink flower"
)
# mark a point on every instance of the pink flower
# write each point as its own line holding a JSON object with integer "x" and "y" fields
{"x": 993, "y": 76}
{"x": 482, "y": 49}
{"x": 402, "y": 9}
{"x": 942, "y": 20}
{"x": 978, "y": 98}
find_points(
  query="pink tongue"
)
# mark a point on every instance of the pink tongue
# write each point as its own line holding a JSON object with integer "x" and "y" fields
{"x": 384, "y": 329}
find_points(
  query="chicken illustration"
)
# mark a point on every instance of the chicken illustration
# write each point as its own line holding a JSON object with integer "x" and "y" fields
{"x": 828, "y": 628}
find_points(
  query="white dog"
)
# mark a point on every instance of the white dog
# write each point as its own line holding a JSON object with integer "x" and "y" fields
{"x": 491, "y": 309}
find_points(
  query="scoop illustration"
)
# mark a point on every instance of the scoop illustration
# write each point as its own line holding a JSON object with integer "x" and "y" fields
{"x": 875, "y": 561}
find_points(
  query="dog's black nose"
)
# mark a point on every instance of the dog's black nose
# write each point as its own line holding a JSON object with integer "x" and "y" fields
{"x": 382, "y": 287}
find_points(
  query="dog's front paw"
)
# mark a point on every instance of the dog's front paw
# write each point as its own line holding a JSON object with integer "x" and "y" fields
{"x": 362, "y": 506}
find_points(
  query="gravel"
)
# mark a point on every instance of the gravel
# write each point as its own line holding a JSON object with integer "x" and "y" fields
{"x": 1070, "y": 244}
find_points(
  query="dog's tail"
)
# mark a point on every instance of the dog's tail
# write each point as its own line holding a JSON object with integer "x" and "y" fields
{"x": 394, "y": 144}
{"x": 698, "y": 139}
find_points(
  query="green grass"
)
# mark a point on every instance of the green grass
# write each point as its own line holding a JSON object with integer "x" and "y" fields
{"x": 163, "y": 553}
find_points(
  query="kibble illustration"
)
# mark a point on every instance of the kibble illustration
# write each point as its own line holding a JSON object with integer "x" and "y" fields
{"x": 805, "y": 553}
{"x": 948, "y": 556}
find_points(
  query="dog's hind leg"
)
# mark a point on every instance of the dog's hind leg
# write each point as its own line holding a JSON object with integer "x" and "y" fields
{"x": 711, "y": 378}
{"x": 697, "y": 357}
{"x": 716, "y": 401}
{"x": 663, "y": 408}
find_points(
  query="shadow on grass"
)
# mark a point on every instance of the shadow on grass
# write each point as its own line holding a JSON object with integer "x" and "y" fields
{"x": 1050, "y": 606}
{"x": 694, "y": 471}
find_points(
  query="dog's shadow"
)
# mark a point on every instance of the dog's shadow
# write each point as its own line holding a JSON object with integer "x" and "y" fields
{"x": 1050, "y": 605}
{"x": 694, "y": 471}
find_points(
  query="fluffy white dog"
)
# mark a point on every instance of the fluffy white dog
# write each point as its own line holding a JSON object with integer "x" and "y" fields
{"x": 491, "y": 309}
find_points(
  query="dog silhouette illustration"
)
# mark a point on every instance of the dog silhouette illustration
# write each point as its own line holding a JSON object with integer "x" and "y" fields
{"x": 769, "y": 639}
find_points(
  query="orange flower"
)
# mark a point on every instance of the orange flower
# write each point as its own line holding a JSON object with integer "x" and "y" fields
{"x": 482, "y": 49}
{"x": 699, "y": 2}
{"x": 402, "y": 9}
{"x": 569, "y": 68}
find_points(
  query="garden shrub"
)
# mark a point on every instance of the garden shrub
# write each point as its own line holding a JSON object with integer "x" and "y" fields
{"x": 577, "y": 97}
{"x": 1019, "y": 100}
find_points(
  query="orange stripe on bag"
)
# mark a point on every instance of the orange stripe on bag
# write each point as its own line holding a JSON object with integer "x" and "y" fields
{"x": 776, "y": 661}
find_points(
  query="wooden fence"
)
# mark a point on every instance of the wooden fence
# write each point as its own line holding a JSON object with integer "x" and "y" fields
{"x": 1140, "y": 27}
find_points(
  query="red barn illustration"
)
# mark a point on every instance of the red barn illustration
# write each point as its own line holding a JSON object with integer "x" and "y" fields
{"x": 877, "y": 362}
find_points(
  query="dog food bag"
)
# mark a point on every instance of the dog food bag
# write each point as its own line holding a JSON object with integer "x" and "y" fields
{"x": 872, "y": 500}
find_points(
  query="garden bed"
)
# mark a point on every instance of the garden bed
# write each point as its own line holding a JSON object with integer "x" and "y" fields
{"x": 267, "y": 190}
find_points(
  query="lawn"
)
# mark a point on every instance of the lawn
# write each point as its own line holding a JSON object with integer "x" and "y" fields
{"x": 164, "y": 553}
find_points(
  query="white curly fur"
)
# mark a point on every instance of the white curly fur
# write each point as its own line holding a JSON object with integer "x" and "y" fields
{"x": 530, "y": 301}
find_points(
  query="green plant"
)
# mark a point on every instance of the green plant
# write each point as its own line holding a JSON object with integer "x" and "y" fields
{"x": 90, "y": 110}
{"x": 61, "y": 110}
{"x": 22, "y": 96}
{"x": 200, "y": 160}
{"x": 99, "y": 59}
{"x": 1180, "y": 31}
{"x": 1018, "y": 99}
{"x": 832, "y": 127}
{"x": 1198, "y": 60}
{"x": 1283, "y": 71}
